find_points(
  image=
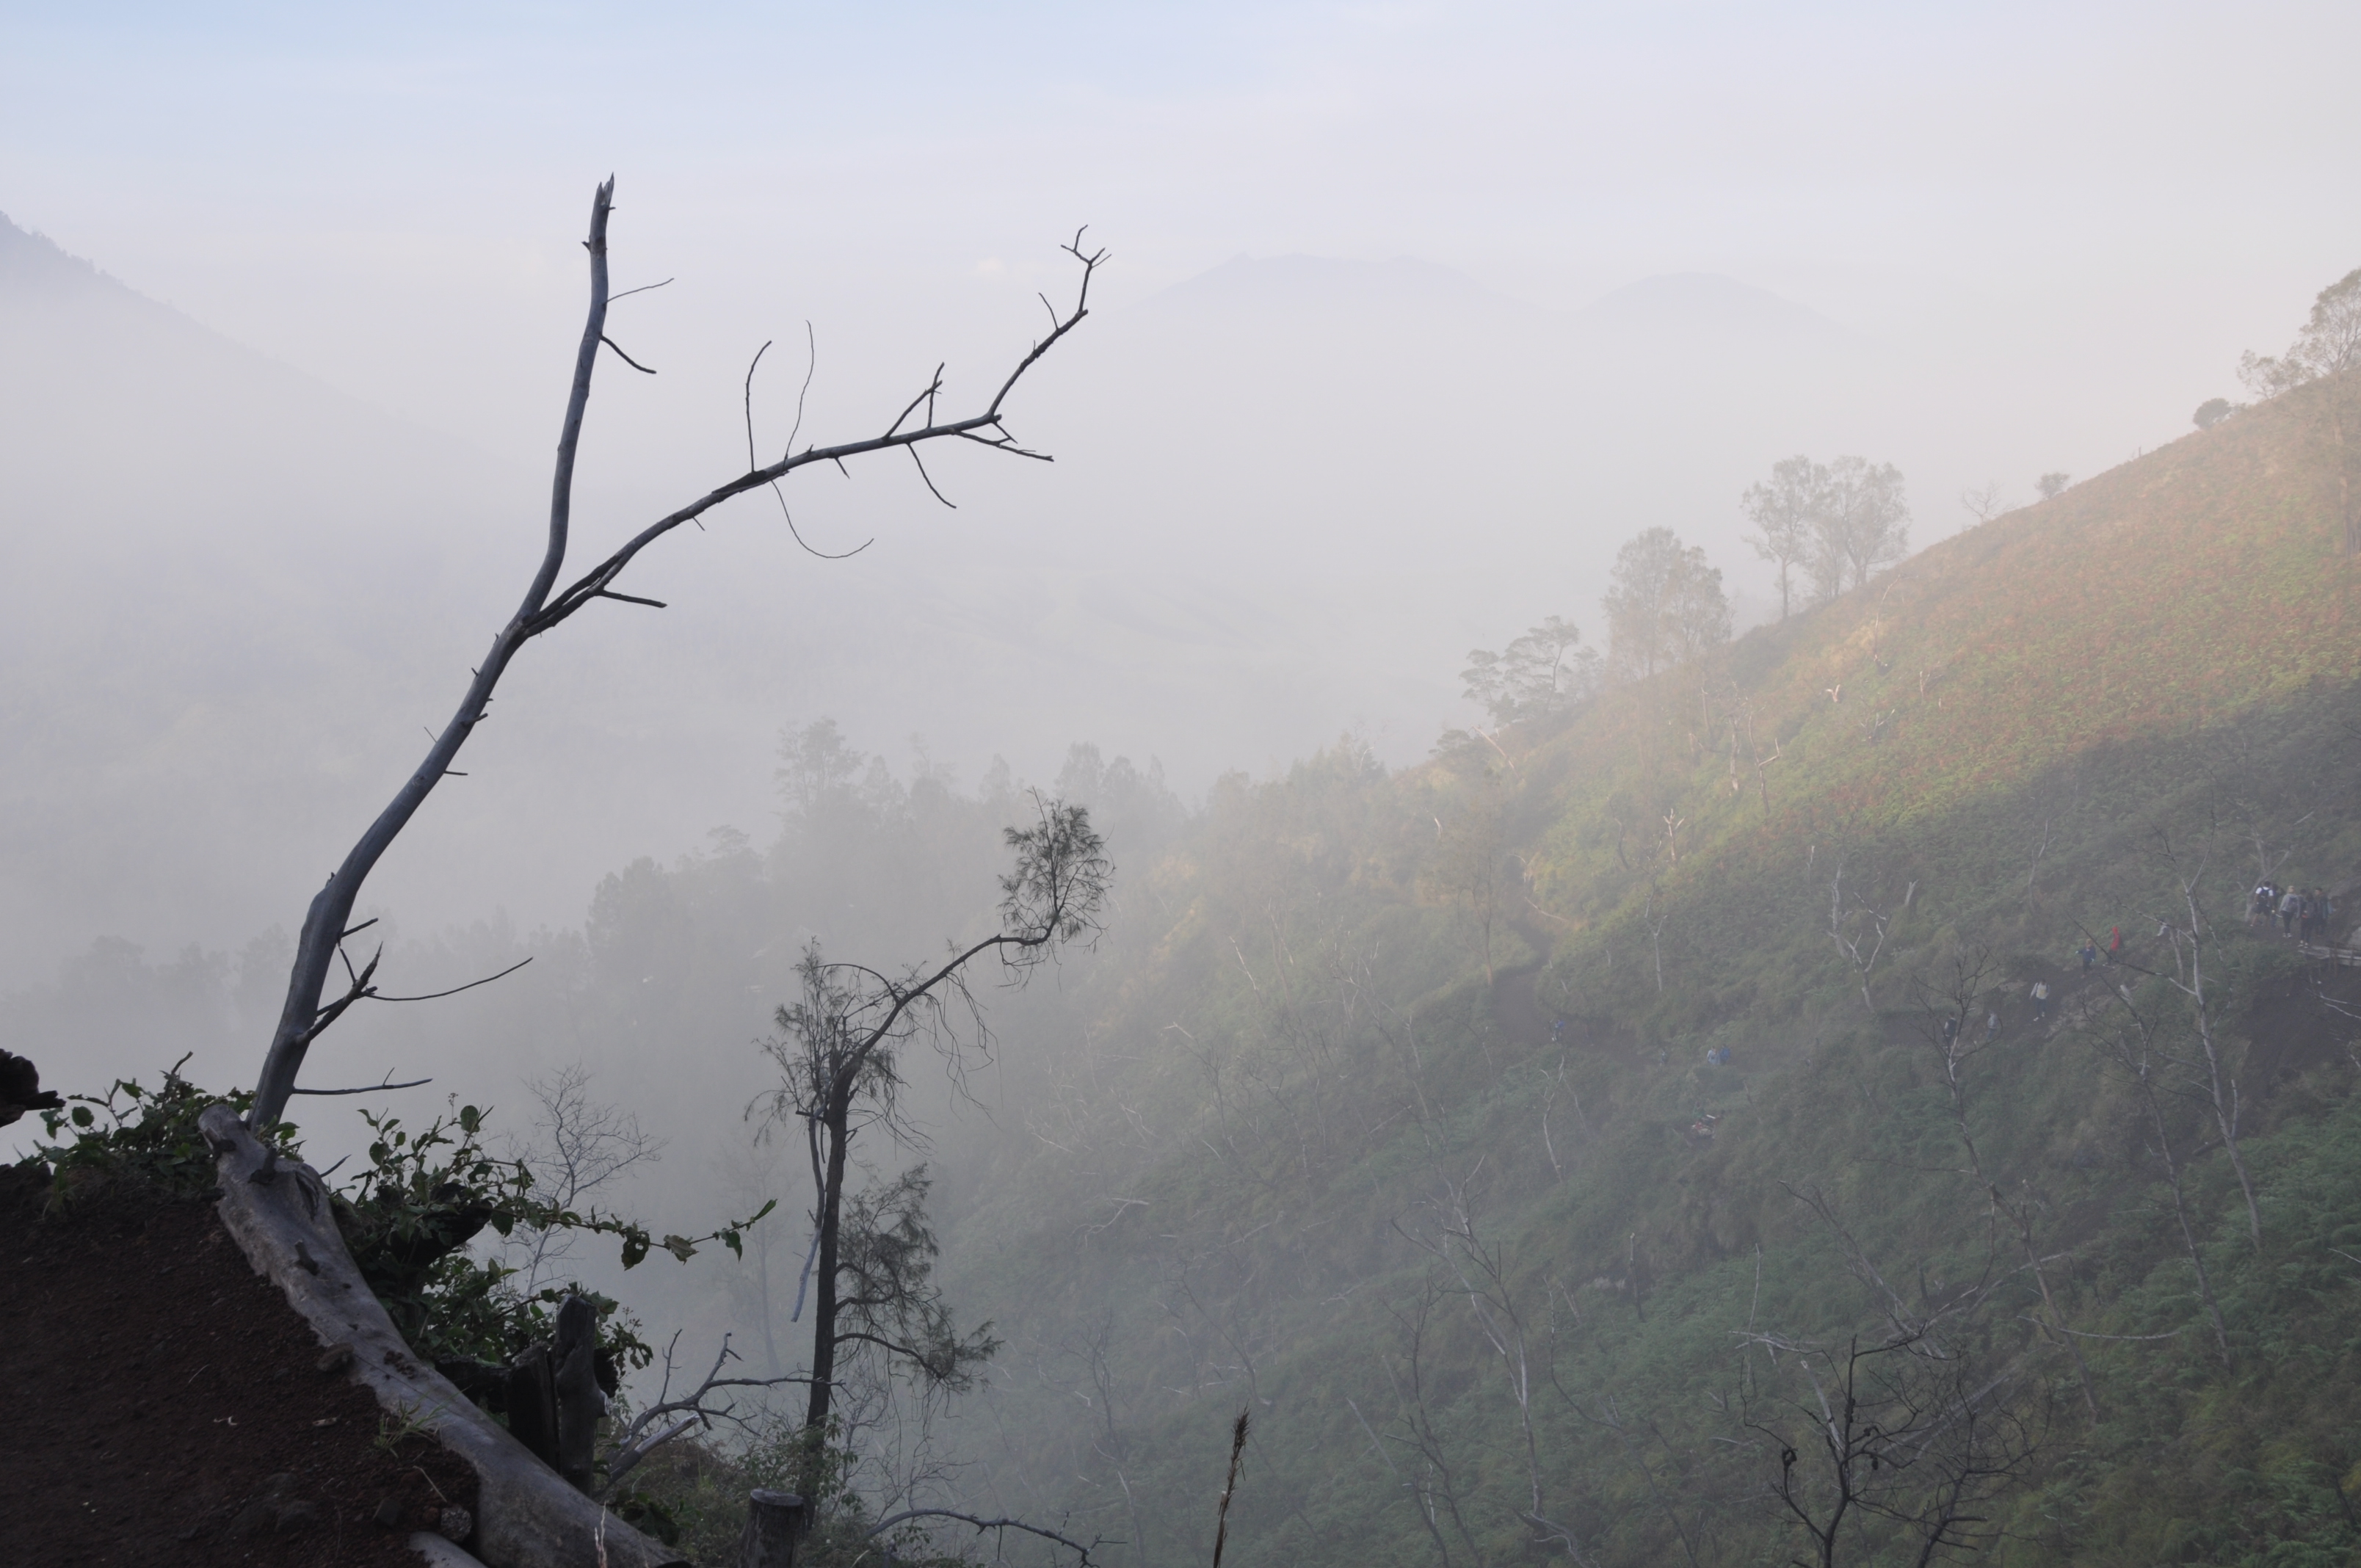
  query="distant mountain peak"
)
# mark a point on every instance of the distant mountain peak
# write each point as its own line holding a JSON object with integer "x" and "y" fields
{"x": 1296, "y": 283}
{"x": 32, "y": 263}
{"x": 1712, "y": 299}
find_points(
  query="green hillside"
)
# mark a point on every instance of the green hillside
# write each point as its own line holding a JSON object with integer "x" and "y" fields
{"x": 1388, "y": 1113}
{"x": 1527, "y": 1139}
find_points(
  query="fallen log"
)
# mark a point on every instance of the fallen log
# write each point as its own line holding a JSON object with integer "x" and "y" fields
{"x": 526, "y": 1514}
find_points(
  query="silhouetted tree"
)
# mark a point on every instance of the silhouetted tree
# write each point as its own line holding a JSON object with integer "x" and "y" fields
{"x": 1987, "y": 503}
{"x": 1783, "y": 510}
{"x": 1863, "y": 522}
{"x": 1666, "y": 604}
{"x": 1902, "y": 1434}
{"x": 839, "y": 1053}
{"x": 2053, "y": 483}
{"x": 2329, "y": 342}
{"x": 1546, "y": 671}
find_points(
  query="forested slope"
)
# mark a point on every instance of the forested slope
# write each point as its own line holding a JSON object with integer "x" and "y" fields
{"x": 1520, "y": 1136}
{"x": 1400, "y": 1114}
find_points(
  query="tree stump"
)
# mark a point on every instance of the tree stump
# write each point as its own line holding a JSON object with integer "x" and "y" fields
{"x": 532, "y": 1400}
{"x": 578, "y": 1402}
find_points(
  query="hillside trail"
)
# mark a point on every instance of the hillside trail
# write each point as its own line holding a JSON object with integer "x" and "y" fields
{"x": 1517, "y": 1010}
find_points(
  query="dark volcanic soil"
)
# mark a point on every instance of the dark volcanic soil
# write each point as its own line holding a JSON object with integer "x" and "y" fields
{"x": 161, "y": 1405}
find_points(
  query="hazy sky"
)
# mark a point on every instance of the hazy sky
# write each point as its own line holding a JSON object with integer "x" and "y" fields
{"x": 2038, "y": 236}
{"x": 386, "y": 196}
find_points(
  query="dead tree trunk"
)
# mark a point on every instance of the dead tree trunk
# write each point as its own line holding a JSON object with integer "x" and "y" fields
{"x": 526, "y": 1515}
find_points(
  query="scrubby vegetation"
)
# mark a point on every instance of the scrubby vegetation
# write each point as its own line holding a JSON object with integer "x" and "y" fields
{"x": 1527, "y": 1137}
{"x": 1539, "y": 1141}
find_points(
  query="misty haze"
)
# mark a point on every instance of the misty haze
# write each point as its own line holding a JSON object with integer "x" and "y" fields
{"x": 1217, "y": 785}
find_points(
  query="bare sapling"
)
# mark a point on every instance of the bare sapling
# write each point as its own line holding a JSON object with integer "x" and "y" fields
{"x": 1945, "y": 1016}
{"x": 839, "y": 1052}
{"x": 2134, "y": 1049}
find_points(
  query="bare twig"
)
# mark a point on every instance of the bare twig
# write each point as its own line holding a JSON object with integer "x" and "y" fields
{"x": 369, "y": 1088}
{"x": 1239, "y": 1429}
{"x": 882, "y": 1525}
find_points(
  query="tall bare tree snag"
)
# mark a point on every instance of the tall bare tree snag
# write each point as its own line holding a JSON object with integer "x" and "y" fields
{"x": 1947, "y": 1016}
{"x": 1898, "y": 1438}
{"x": 546, "y": 606}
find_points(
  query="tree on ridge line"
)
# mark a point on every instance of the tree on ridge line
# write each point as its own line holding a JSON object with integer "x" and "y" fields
{"x": 1838, "y": 523}
{"x": 1666, "y": 606}
{"x": 2328, "y": 344}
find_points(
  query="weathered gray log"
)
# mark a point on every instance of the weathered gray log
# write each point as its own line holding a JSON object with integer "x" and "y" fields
{"x": 526, "y": 1515}
{"x": 441, "y": 1553}
{"x": 774, "y": 1522}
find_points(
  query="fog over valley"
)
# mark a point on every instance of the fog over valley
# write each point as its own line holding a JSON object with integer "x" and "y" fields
{"x": 1674, "y": 728}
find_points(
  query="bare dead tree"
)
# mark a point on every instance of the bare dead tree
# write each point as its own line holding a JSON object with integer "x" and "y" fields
{"x": 579, "y": 1146}
{"x": 1896, "y": 1432}
{"x": 2134, "y": 1049}
{"x": 1655, "y": 924}
{"x": 2188, "y": 978}
{"x": 1481, "y": 1272}
{"x": 1852, "y": 926}
{"x": 1436, "y": 1488}
{"x": 838, "y": 1054}
{"x": 1946, "y": 1014}
{"x": 667, "y": 1417}
{"x": 546, "y": 606}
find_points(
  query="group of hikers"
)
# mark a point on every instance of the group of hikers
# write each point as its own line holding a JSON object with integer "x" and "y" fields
{"x": 2303, "y": 913}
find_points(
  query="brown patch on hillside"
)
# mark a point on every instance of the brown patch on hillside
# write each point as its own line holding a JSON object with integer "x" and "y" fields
{"x": 167, "y": 1406}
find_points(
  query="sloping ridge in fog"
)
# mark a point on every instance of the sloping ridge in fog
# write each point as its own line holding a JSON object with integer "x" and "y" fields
{"x": 1528, "y": 1063}
{"x": 1287, "y": 495}
{"x": 216, "y": 571}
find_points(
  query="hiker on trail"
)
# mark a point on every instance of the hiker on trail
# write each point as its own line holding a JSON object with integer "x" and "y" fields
{"x": 1992, "y": 1026}
{"x": 1950, "y": 1030}
{"x": 2258, "y": 904}
{"x": 2114, "y": 943}
{"x": 2289, "y": 908}
{"x": 2040, "y": 999}
{"x": 1557, "y": 1031}
{"x": 2088, "y": 953}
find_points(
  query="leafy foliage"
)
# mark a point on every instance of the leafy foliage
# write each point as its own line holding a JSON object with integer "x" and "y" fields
{"x": 147, "y": 1139}
{"x": 407, "y": 1216}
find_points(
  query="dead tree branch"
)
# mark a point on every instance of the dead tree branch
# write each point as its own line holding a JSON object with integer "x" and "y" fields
{"x": 544, "y": 607}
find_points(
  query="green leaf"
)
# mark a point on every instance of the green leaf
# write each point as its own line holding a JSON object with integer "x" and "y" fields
{"x": 680, "y": 1248}
{"x": 635, "y": 1249}
{"x": 82, "y": 1117}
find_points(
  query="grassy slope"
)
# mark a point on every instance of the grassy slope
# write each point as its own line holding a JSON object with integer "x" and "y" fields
{"x": 1294, "y": 1072}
